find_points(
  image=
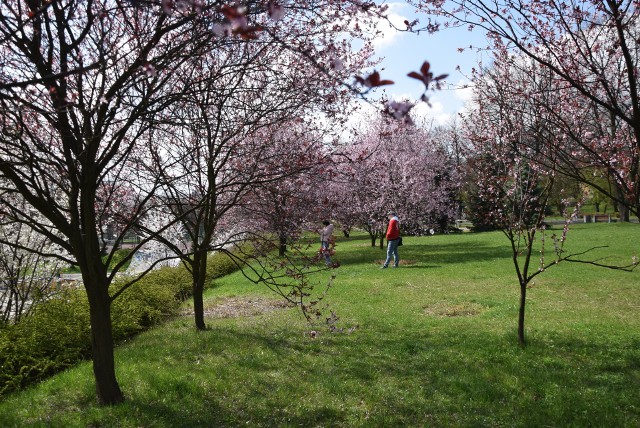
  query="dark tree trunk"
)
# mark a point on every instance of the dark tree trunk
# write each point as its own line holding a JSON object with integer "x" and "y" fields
{"x": 199, "y": 276}
{"x": 107, "y": 389}
{"x": 282, "y": 249}
{"x": 96, "y": 282}
{"x": 624, "y": 212}
{"x": 521, "y": 312}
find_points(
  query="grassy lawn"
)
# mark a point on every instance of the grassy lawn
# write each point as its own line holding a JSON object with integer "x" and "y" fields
{"x": 432, "y": 343}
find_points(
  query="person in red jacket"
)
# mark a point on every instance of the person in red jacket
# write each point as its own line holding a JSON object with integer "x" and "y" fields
{"x": 393, "y": 239}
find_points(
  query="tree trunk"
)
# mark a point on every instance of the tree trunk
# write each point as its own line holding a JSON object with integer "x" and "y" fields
{"x": 107, "y": 389}
{"x": 623, "y": 210}
{"x": 523, "y": 301}
{"x": 381, "y": 240}
{"x": 623, "y": 207}
{"x": 199, "y": 269}
{"x": 624, "y": 213}
{"x": 374, "y": 238}
{"x": 283, "y": 246}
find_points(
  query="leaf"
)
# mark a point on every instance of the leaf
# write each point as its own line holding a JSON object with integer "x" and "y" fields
{"x": 231, "y": 12}
{"x": 425, "y": 68}
{"x": 373, "y": 80}
{"x": 416, "y": 75}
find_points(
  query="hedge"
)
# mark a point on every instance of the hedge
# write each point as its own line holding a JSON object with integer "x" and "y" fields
{"x": 56, "y": 334}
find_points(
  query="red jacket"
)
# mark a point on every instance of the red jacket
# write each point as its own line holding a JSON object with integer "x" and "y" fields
{"x": 393, "y": 229}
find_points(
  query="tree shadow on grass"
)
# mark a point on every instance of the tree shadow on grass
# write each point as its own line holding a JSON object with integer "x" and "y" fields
{"x": 427, "y": 253}
{"x": 397, "y": 379}
{"x": 416, "y": 376}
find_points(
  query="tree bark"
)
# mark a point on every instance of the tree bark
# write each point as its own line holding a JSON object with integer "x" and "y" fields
{"x": 199, "y": 275}
{"x": 107, "y": 388}
{"x": 623, "y": 209}
{"x": 282, "y": 249}
{"x": 521, "y": 312}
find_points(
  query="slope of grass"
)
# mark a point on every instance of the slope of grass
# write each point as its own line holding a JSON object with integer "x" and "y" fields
{"x": 432, "y": 343}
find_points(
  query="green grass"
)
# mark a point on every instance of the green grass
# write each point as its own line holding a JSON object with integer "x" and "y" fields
{"x": 432, "y": 344}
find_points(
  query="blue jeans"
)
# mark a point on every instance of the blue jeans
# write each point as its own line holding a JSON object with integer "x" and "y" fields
{"x": 392, "y": 250}
{"x": 325, "y": 250}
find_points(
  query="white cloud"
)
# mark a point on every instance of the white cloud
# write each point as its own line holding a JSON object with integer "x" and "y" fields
{"x": 387, "y": 27}
{"x": 422, "y": 114}
{"x": 463, "y": 90}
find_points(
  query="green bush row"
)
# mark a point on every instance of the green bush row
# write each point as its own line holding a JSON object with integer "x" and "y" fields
{"x": 56, "y": 335}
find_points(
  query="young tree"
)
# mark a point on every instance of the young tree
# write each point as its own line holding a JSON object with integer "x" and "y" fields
{"x": 238, "y": 131}
{"x": 515, "y": 177}
{"x": 287, "y": 205}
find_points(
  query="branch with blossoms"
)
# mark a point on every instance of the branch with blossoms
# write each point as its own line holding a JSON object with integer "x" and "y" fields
{"x": 290, "y": 275}
{"x": 237, "y": 23}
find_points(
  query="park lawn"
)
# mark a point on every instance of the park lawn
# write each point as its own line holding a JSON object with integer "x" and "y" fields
{"x": 432, "y": 343}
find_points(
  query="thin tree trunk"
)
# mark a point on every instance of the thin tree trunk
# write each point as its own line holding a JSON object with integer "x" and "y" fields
{"x": 623, "y": 209}
{"x": 199, "y": 276}
{"x": 521, "y": 313}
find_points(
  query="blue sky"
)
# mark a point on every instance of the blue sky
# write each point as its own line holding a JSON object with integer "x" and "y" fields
{"x": 405, "y": 52}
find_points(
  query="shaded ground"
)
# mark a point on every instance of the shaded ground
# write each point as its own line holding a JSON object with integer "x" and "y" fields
{"x": 234, "y": 307}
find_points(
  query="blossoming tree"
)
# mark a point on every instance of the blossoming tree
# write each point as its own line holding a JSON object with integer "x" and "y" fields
{"x": 395, "y": 166}
{"x": 586, "y": 52}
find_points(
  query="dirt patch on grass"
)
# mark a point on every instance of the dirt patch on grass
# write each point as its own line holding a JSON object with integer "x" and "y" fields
{"x": 234, "y": 307}
{"x": 445, "y": 309}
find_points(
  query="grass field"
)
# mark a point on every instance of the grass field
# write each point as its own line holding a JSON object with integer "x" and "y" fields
{"x": 432, "y": 343}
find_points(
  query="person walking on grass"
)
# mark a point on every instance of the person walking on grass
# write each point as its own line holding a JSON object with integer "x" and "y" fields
{"x": 326, "y": 236}
{"x": 393, "y": 239}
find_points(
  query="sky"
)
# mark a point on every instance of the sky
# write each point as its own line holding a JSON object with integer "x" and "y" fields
{"x": 404, "y": 52}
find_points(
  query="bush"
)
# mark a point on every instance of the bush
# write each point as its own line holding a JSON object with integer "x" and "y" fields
{"x": 218, "y": 265}
{"x": 57, "y": 333}
{"x": 118, "y": 255}
{"x": 147, "y": 302}
{"x": 55, "y": 336}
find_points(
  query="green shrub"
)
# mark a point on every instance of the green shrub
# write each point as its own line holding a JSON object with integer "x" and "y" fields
{"x": 57, "y": 333}
{"x": 149, "y": 301}
{"x": 118, "y": 255}
{"x": 55, "y": 336}
{"x": 218, "y": 265}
